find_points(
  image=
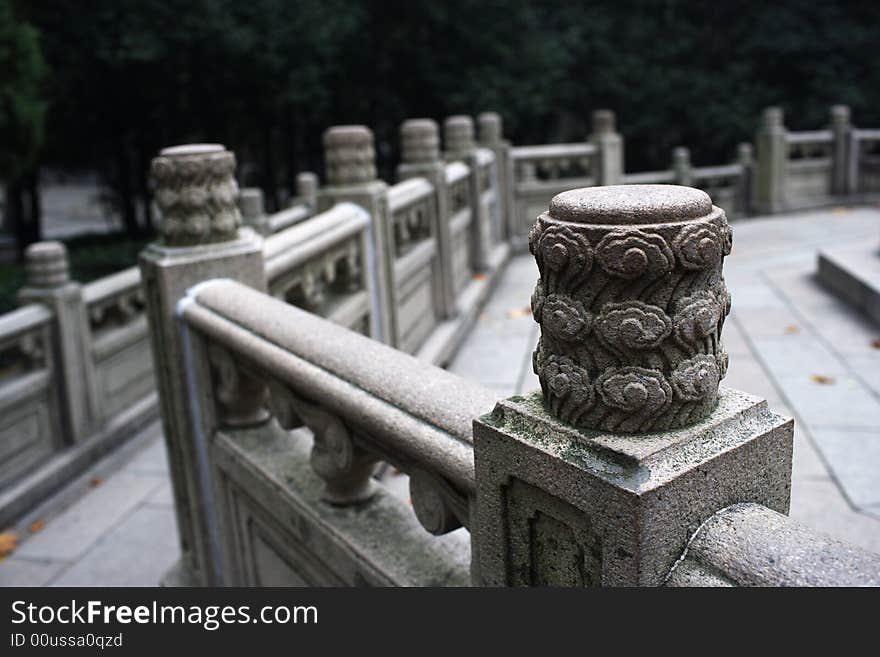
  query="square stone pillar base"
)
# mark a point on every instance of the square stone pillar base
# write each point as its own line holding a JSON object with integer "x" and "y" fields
{"x": 560, "y": 506}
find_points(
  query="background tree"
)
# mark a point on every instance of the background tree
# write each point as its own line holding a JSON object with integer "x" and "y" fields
{"x": 22, "y": 116}
{"x": 267, "y": 77}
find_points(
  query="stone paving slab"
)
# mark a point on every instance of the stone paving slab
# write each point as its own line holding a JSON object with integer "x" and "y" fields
{"x": 71, "y": 534}
{"x": 137, "y": 552}
{"x": 15, "y": 571}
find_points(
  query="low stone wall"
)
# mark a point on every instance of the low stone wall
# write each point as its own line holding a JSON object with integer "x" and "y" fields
{"x": 76, "y": 377}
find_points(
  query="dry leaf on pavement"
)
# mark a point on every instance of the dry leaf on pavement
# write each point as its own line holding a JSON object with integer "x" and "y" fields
{"x": 516, "y": 313}
{"x": 37, "y": 526}
{"x": 792, "y": 329}
{"x": 876, "y": 343}
{"x": 8, "y": 543}
{"x": 97, "y": 481}
{"x": 821, "y": 379}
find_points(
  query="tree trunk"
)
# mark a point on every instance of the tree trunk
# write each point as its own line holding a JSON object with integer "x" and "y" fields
{"x": 23, "y": 210}
{"x": 124, "y": 190}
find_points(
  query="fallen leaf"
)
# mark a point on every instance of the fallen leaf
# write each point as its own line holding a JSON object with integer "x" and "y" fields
{"x": 37, "y": 526}
{"x": 840, "y": 210}
{"x": 821, "y": 379}
{"x": 516, "y": 313}
{"x": 97, "y": 481}
{"x": 876, "y": 343}
{"x": 791, "y": 329}
{"x": 484, "y": 316}
{"x": 480, "y": 276}
{"x": 8, "y": 543}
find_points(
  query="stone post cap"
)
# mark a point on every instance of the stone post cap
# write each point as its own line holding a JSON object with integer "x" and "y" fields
{"x": 631, "y": 303}
{"x": 349, "y": 155}
{"x": 744, "y": 153}
{"x": 681, "y": 155}
{"x": 420, "y": 141}
{"x": 773, "y": 117}
{"x": 840, "y": 114}
{"x": 306, "y": 184}
{"x": 604, "y": 121}
{"x": 458, "y": 133}
{"x": 491, "y": 128}
{"x": 196, "y": 193}
{"x": 250, "y": 203}
{"x": 46, "y": 264}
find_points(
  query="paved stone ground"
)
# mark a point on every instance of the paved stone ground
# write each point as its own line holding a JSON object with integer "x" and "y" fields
{"x": 790, "y": 341}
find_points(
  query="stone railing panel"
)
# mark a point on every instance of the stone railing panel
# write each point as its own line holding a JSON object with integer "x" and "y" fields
{"x": 324, "y": 266}
{"x": 120, "y": 343}
{"x": 30, "y": 416}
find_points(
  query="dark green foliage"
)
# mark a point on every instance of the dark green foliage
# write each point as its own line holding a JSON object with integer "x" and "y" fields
{"x": 266, "y": 77}
{"x": 91, "y": 257}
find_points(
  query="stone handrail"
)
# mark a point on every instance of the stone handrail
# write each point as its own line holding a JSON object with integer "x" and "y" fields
{"x": 751, "y": 545}
{"x": 289, "y": 217}
{"x": 649, "y": 177}
{"x": 407, "y": 412}
{"x": 809, "y": 137}
{"x": 323, "y": 264}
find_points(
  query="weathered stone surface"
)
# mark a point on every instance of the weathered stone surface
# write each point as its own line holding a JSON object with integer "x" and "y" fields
{"x": 420, "y": 141}
{"x": 631, "y": 302}
{"x": 196, "y": 193}
{"x": 349, "y": 155}
{"x": 750, "y": 545}
{"x": 610, "y": 509}
{"x": 46, "y": 264}
{"x": 458, "y": 136}
{"x": 491, "y": 129}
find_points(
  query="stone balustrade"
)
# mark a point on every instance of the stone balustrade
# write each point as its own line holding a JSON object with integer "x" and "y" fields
{"x": 76, "y": 376}
{"x": 631, "y": 304}
{"x": 625, "y": 469}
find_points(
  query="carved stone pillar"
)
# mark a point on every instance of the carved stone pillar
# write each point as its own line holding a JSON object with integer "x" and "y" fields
{"x": 307, "y": 189}
{"x": 420, "y": 148}
{"x": 492, "y": 137}
{"x": 841, "y": 129}
{"x": 48, "y": 282}
{"x": 350, "y": 158}
{"x": 202, "y": 238}
{"x": 458, "y": 137}
{"x": 772, "y": 161}
{"x": 609, "y": 147}
{"x": 601, "y": 478}
{"x": 681, "y": 166}
{"x": 745, "y": 188}
{"x": 252, "y": 208}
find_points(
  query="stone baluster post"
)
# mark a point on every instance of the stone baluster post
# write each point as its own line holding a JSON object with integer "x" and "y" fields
{"x": 420, "y": 148}
{"x": 602, "y": 476}
{"x": 772, "y": 146}
{"x": 491, "y": 136}
{"x": 350, "y": 160}
{"x": 252, "y": 208}
{"x": 201, "y": 238}
{"x": 841, "y": 130}
{"x": 307, "y": 189}
{"x": 458, "y": 137}
{"x": 48, "y": 282}
{"x": 609, "y": 148}
{"x": 681, "y": 166}
{"x": 745, "y": 187}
